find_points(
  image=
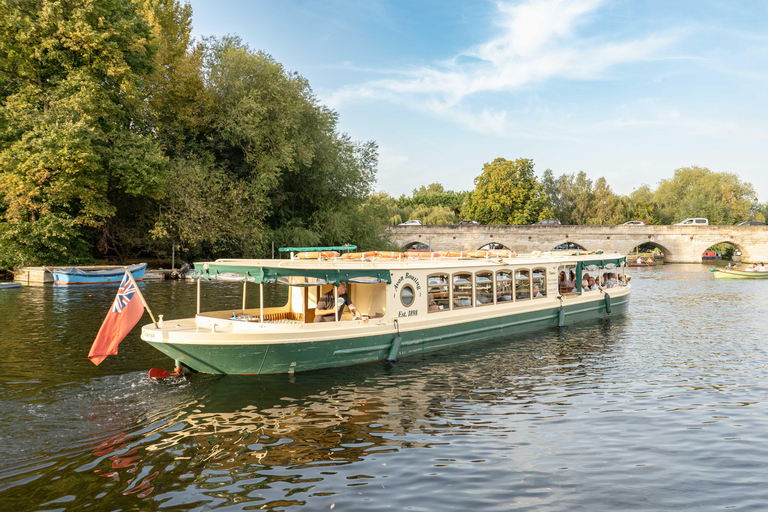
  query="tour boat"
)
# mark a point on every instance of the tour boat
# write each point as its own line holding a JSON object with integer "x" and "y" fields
{"x": 96, "y": 275}
{"x": 723, "y": 273}
{"x": 412, "y": 303}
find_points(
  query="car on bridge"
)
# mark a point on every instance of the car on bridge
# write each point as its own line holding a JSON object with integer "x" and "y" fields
{"x": 547, "y": 222}
{"x": 634, "y": 223}
{"x": 752, "y": 223}
{"x": 412, "y": 222}
{"x": 468, "y": 223}
{"x": 696, "y": 221}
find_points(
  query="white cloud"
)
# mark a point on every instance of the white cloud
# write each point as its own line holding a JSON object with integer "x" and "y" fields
{"x": 536, "y": 42}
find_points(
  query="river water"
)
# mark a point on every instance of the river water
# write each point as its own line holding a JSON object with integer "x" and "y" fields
{"x": 665, "y": 407}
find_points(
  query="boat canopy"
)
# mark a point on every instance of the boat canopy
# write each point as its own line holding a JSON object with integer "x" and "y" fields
{"x": 592, "y": 265}
{"x": 347, "y": 247}
{"x": 290, "y": 276}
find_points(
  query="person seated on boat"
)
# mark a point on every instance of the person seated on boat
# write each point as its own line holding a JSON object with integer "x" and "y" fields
{"x": 753, "y": 268}
{"x": 730, "y": 266}
{"x": 640, "y": 260}
{"x": 610, "y": 280}
{"x": 585, "y": 281}
{"x": 561, "y": 281}
{"x": 536, "y": 292}
{"x": 325, "y": 310}
{"x": 592, "y": 286}
{"x": 761, "y": 267}
{"x": 570, "y": 283}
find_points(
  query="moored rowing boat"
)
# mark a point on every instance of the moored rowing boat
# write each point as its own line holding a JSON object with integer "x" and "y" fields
{"x": 722, "y": 273}
{"x": 96, "y": 275}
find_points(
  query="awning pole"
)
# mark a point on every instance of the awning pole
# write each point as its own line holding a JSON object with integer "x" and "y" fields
{"x": 261, "y": 302}
{"x": 198, "y": 295}
{"x": 335, "y": 300}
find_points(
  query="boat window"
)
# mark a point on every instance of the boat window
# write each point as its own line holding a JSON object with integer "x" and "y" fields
{"x": 522, "y": 285}
{"x": 539, "y": 283}
{"x": 484, "y": 288}
{"x": 503, "y": 286}
{"x": 462, "y": 291}
{"x": 407, "y": 295}
{"x": 566, "y": 278}
{"x": 437, "y": 293}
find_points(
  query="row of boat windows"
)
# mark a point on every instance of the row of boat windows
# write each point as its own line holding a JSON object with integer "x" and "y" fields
{"x": 465, "y": 290}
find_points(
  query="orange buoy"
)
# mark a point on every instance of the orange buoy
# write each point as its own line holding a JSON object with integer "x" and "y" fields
{"x": 316, "y": 255}
{"x": 389, "y": 254}
{"x": 359, "y": 255}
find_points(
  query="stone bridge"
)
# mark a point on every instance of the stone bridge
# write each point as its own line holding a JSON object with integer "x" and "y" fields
{"x": 680, "y": 244}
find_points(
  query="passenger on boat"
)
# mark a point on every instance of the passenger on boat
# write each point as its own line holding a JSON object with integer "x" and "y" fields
{"x": 325, "y": 310}
{"x": 730, "y": 266}
{"x": 571, "y": 281}
{"x": 536, "y": 292}
{"x": 609, "y": 280}
{"x": 561, "y": 280}
{"x": 761, "y": 267}
{"x": 592, "y": 286}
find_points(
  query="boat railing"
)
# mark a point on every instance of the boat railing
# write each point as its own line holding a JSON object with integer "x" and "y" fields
{"x": 252, "y": 315}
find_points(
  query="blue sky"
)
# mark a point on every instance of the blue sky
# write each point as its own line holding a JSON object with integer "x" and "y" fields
{"x": 627, "y": 89}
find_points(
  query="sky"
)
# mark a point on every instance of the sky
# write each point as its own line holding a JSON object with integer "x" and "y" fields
{"x": 629, "y": 90}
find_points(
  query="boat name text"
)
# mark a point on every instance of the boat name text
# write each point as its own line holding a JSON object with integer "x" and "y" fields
{"x": 410, "y": 277}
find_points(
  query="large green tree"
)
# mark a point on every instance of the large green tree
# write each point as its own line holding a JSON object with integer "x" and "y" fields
{"x": 507, "y": 192}
{"x": 278, "y": 169}
{"x": 698, "y": 192}
{"x": 74, "y": 141}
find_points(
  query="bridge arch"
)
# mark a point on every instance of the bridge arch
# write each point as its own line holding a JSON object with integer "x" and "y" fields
{"x": 568, "y": 245}
{"x": 680, "y": 244}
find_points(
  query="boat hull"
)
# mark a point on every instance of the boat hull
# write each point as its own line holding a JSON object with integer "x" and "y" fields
{"x": 737, "y": 274}
{"x": 236, "y": 354}
{"x": 62, "y": 277}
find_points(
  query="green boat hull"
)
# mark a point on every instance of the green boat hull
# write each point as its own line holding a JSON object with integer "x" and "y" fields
{"x": 256, "y": 358}
{"x": 737, "y": 274}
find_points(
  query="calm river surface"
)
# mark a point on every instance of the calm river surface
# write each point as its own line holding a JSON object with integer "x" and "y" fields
{"x": 663, "y": 408}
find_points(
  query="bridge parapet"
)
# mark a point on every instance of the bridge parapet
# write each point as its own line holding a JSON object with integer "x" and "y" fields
{"x": 680, "y": 244}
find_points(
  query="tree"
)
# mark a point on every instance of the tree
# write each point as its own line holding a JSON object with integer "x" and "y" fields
{"x": 507, "y": 192}
{"x": 278, "y": 170}
{"x": 74, "y": 138}
{"x": 698, "y": 192}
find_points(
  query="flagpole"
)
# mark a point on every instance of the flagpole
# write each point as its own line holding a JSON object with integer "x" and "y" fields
{"x": 142, "y": 298}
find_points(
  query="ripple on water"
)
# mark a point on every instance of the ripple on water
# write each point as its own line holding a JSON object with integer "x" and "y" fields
{"x": 663, "y": 408}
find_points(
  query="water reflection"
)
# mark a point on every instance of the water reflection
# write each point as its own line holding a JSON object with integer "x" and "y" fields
{"x": 649, "y": 410}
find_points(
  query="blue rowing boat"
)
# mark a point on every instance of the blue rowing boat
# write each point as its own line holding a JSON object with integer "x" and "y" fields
{"x": 84, "y": 275}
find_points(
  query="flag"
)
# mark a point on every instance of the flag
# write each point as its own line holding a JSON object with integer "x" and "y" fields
{"x": 125, "y": 313}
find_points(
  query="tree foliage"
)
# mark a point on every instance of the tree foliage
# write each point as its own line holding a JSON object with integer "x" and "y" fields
{"x": 431, "y": 204}
{"x": 120, "y": 135}
{"x": 698, "y": 192}
{"x": 74, "y": 137}
{"x": 507, "y": 192}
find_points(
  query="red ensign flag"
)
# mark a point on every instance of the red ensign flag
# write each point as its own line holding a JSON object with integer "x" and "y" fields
{"x": 126, "y": 312}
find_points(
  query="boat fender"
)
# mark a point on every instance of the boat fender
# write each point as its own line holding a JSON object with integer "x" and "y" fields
{"x": 561, "y": 317}
{"x": 395, "y": 348}
{"x": 607, "y": 303}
